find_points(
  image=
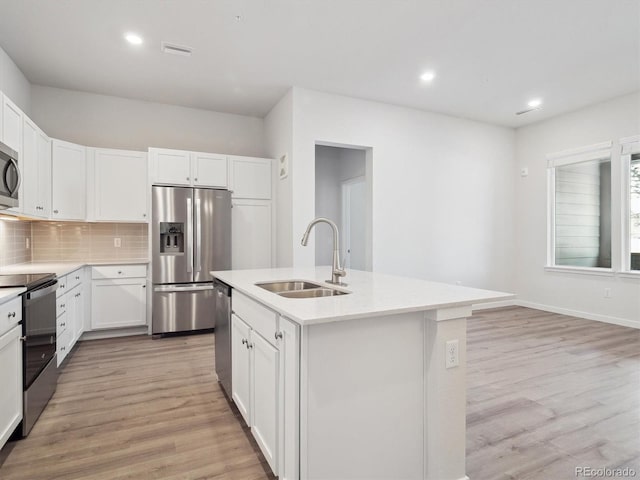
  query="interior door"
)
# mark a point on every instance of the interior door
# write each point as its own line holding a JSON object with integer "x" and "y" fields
{"x": 172, "y": 242}
{"x": 354, "y": 205}
{"x": 212, "y": 232}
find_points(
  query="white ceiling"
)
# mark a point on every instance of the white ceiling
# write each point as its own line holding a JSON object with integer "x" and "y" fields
{"x": 491, "y": 56}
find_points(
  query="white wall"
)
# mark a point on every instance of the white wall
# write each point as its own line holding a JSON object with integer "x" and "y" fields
{"x": 443, "y": 187}
{"x": 278, "y": 130}
{"x": 113, "y": 122}
{"x": 14, "y": 84}
{"x": 579, "y": 294}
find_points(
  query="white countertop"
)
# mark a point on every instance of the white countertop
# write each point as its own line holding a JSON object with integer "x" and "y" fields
{"x": 7, "y": 294}
{"x": 60, "y": 268}
{"x": 372, "y": 294}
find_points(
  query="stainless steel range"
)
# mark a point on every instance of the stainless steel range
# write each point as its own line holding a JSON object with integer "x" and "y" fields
{"x": 39, "y": 364}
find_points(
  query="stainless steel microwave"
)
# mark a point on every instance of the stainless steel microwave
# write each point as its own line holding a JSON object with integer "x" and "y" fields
{"x": 10, "y": 177}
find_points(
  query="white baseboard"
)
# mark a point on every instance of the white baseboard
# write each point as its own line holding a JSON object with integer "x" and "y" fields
{"x": 577, "y": 313}
{"x": 113, "y": 333}
{"x": 563, "y": 311}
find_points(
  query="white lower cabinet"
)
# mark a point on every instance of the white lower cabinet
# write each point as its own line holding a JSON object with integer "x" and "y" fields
{"x": 10, "y": 368}
{"x": 265, "y": 384}
{"x": 70, "y": 313}
{"x": 118, "y": 297}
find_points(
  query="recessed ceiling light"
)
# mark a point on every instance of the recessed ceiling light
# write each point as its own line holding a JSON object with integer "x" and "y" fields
{"x": 428, "y": 76}
{"x": 535, "y": 102}
{"x": 133, "y": 39}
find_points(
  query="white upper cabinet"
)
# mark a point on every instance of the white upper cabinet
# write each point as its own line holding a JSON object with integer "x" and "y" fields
{"x": 193, "y": 169}
{"x": 250, "y": 177}
{"x": 120, "y": 186}
{"x": 11, "y": 125}
{"x": 209, "y": 170}
{"x": 170, "y": 167}
{"x": 36, "y": 171}
{"x": 69, "y": 181}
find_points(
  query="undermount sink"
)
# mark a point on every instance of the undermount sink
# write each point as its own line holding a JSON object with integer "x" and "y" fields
{"x": 288, "y": 286}
{"x": 313, "y": 293}
{"x": 300, "y": 289}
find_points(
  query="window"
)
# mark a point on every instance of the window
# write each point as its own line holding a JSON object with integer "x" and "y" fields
{"x": 634, "y": 212}
{"x": 580, "y": 208}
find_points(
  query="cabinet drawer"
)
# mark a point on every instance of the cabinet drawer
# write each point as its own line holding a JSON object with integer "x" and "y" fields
{"x": 260, "y": 318}
{"x": 62, "y": 286}
{"x": 74, "y": 279}
{"x": 10, "y": 314}
{"x": 61, "y": 323}
{"x": 119, "y": 271}
{"x": 61, "y": 304}
{"x": 63, "y": 344}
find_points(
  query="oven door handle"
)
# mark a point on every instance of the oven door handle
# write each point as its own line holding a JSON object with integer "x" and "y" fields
{"x": 42, "y": 292}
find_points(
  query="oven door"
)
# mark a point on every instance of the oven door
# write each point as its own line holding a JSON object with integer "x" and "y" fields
{"x": 9, "y": 177}
{"x": 39, "y": 327}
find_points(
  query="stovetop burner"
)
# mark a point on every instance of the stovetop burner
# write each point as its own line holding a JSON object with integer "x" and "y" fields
{"x": 28, "y": 280}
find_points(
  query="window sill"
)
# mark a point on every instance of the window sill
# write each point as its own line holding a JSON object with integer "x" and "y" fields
{"x": 603, "y": 272}
{"x": 635, "y": 274}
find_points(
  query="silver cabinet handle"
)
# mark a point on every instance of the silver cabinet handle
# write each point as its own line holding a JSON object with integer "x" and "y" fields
{"x": 55, "y": 211}
{"x": 249, "y": 345}
{"x": 12, "y": 315}
{"x": 195, "y": 179}
{"x": 278, "y": 335}
{"x": 244, "y": 340}
{"x": 188, "y": 179}
{"x": 23, "y": 339}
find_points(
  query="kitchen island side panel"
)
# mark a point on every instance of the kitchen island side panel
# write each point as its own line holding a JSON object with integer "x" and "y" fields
{"x": 363, "y": 399}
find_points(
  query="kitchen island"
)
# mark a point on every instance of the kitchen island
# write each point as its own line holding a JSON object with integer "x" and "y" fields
{"x": 365, "y": 384}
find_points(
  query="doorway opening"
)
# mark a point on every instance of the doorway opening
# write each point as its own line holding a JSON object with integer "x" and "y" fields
{"x": 342, "y": 178}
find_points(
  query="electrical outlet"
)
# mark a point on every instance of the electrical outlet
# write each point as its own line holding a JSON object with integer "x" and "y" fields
{"x": 27, "y": 243}
{"x": 607, "y": 293}
{"x": 452, "y": 355}
{"x": 117, "y": 242}
{"x": 524, "y": 172}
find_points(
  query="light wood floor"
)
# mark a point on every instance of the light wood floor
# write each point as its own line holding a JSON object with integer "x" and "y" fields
{"x": 546, "y": 393}
{"x": 136, "y": 408}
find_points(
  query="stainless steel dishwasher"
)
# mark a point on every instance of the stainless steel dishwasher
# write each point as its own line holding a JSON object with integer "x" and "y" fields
{"x": 223, "y": 334}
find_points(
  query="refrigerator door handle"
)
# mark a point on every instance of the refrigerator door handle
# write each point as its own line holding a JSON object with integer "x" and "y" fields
{"x": 198, "y": 264}
{"x": 189, "y": 236}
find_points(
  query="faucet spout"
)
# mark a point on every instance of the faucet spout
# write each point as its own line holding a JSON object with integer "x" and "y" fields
{"x": 337, "y": 272}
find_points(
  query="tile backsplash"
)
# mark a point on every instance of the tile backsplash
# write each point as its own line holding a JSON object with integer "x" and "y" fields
{"x": 54, "y": 241}
{"x": 13, "y": 242}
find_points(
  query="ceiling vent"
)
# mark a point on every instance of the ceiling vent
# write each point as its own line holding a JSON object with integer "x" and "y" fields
{"x": 522, "y": 112}
{"x": 174, "y": 49}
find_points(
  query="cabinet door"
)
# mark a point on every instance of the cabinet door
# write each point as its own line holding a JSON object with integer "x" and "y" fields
{"x": 250, "y": 177}
{"x": 241, "y": 367}
{"x": 289, "y": 405}
{"x": 44, "y": 175}
{"x": 118, "y": 303}
{"x": 171, "y": 167}
{"x": 265, "y": 398}
{"x": 69, "y": 179}
{"x": 78, "y": 306}
{"x": 29, "y": 161}
{"x": 11, "y": 381}
{"x": 120, "y": 186}
{"x": 209, "y": 170}
{"x": 11, "y": 125}
{"x": 251, "y": 234}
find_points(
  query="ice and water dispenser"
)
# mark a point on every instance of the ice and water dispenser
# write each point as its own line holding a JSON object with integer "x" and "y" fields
{"x": 171, "y": 238}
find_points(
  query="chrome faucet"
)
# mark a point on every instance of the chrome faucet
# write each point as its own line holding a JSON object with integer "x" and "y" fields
{"x": 336, "y": 271}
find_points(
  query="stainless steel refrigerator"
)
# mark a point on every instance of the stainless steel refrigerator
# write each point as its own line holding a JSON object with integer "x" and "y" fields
{"x": 191, "y": 236}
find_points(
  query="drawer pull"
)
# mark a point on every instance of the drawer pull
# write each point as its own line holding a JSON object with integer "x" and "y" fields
{"x": 12, "y": 315}
{"x": 278, "y": 335}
